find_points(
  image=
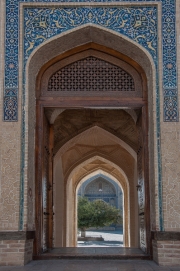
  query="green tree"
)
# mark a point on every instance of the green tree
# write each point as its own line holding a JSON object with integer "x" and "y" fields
{"x": 96, "y": 214}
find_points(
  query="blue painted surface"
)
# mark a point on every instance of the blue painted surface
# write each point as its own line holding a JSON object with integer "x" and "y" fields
{"x": 95, "y": 15}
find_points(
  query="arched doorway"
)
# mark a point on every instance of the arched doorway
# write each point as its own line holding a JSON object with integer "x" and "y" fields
{"x": 48, "y": 105}
{"x": 100, "y": 165}
{"x": 101, "y": 188}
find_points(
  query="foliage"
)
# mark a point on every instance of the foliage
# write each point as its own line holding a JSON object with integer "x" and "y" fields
{"x": 85, "y": 212}
{"x": 96, "y": 214}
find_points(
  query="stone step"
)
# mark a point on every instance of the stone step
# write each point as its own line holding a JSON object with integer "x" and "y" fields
{"x": 94, "y": 253}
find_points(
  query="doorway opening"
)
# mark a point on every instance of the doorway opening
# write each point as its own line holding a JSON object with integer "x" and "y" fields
{"x": 91, "y": 117}
{"x": 100, "y": 187}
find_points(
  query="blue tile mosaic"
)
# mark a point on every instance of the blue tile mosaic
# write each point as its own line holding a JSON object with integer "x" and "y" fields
{"x": 170, "y": 103}
{"x": 140, "y": 34}
{"x": 168, "y": 35}
{"x": 139, "y": 24}
{"x": 10, "y": 107}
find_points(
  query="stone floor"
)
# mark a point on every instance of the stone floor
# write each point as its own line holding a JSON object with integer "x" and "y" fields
{"x": 91, "y": 265}
{"x": 98, "y": 253}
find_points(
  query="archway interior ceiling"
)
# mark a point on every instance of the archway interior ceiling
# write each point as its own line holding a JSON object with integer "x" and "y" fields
{"x": 138, "y": 23}
{"x": 72, "y": 122}
{"x": 85, "y": 128}
{"x": 89, "y": 168}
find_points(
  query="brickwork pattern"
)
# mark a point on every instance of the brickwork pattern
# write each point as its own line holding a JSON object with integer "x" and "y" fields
{"x": 15, "y": 252}
{"x": 166, "y": 252}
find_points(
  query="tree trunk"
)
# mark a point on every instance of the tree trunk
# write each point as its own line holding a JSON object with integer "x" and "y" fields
{"x": 83, "y": 233}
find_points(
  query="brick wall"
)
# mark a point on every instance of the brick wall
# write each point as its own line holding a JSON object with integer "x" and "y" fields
{"x": 166, "y": 252}
{"x": 15, "y": 252}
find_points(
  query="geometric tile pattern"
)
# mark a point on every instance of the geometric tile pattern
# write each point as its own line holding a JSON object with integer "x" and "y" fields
{"x": 10, "y": 107}
{"x": 134, "y": 20}
{"x": 169, "y": 61}
{"x": 136, "y": 26}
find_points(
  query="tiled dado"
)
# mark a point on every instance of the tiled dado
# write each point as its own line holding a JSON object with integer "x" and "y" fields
{"x": 139, "y": 24}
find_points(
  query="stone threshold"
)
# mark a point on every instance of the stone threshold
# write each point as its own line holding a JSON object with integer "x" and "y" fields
{"x": 94, "y": 253}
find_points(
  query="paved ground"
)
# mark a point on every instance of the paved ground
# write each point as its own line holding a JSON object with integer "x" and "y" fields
{"x": 119, "y": 253}
{"x": 91, "y": 265}
{"x": 111, "y": 239}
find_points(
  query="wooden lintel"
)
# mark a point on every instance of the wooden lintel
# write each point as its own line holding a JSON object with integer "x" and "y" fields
{"x": 89, "y": 102}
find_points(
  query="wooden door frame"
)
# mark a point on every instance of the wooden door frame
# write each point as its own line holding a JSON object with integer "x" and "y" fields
{"x": 71, "y": 102}
{"x": 81, "y": 103}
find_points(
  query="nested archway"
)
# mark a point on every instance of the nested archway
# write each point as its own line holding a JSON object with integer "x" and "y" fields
{"x": 72, "y": 185}
{"x": 76, "y": 160}
{"x": 120, "y": 178}
{"x": 101, "y": 187}
{"x": 120, "y": 53}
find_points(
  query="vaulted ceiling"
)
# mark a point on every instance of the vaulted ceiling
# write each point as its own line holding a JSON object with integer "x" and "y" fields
{"x": 72, "y": 122}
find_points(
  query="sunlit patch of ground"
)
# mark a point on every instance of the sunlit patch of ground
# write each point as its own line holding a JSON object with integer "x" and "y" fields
{"x": 111, "y": 239}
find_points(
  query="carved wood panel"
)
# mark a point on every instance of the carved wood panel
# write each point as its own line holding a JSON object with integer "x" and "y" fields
{"x": 91, "y": 75}
{"x": 141, "y": 188}
{"x": 45, "y": 181}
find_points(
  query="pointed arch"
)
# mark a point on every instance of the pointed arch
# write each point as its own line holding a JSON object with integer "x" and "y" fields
{"x": 69, "y": 43}
{"x": 71, "y": 187}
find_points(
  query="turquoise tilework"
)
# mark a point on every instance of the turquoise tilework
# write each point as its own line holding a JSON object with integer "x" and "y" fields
{"x": 139, "y": 24}
{"x": 169, "y": 52}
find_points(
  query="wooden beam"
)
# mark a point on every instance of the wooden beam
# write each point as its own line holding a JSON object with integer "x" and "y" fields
{"x": 92, "y": 102}
{"x": 50, "y": 186}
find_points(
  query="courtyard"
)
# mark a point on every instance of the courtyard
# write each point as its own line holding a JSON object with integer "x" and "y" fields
{"x": 111, "y": 239}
